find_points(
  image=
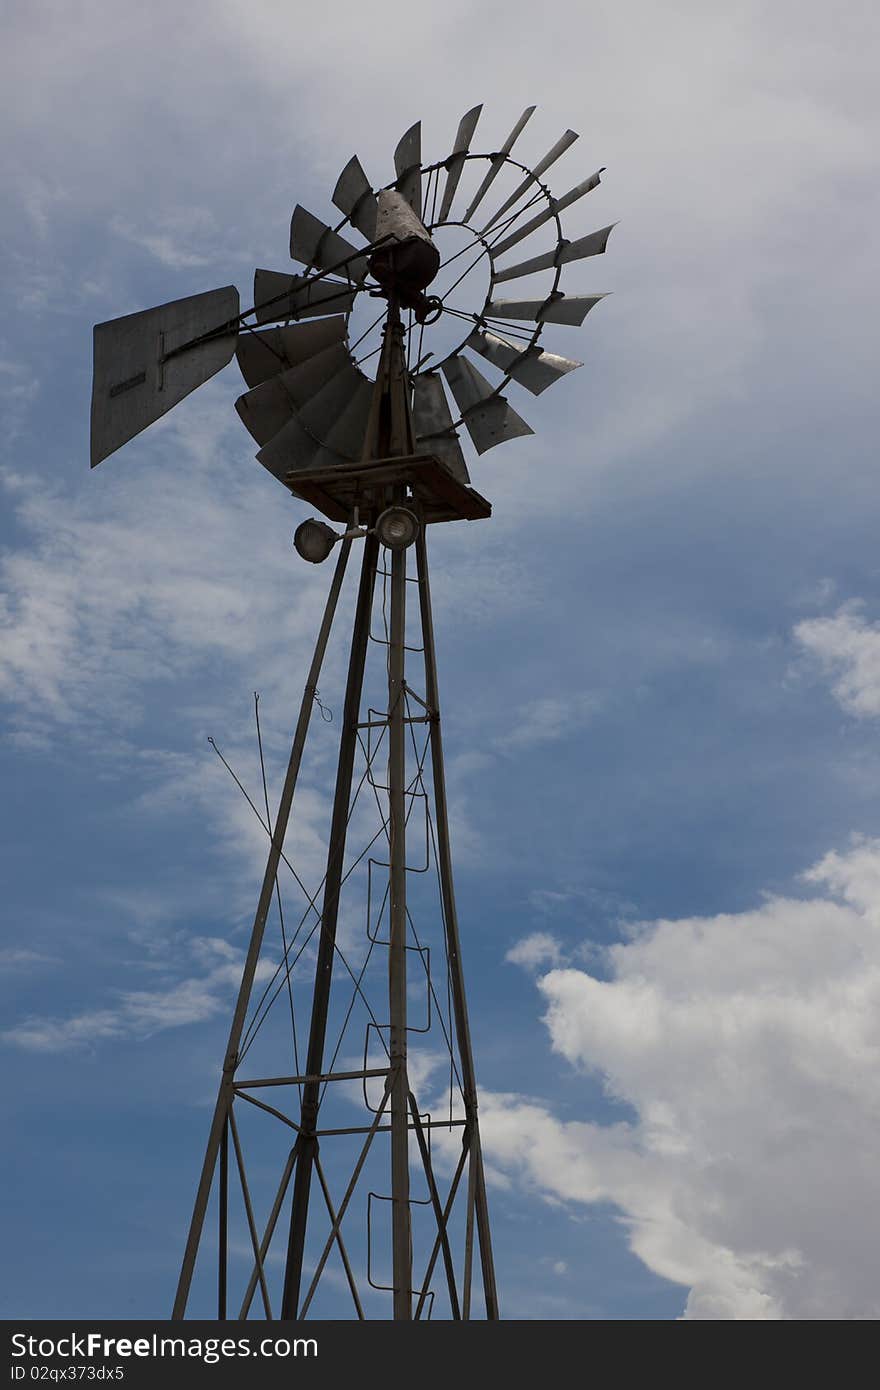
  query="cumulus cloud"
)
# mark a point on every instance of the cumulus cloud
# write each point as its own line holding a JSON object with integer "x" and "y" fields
{"x": 847, "y": 647}
{"x": 540, "y": 948}
{"x": 748, "y": 1045}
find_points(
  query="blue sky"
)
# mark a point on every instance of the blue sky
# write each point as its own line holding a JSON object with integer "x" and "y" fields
{"x": 660, "y": 660}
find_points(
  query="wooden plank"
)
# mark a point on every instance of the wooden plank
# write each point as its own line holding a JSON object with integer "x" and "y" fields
{"x": 336, "y": 490}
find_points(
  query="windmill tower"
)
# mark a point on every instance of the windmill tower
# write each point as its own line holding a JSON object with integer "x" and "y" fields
{"x": 354, "y": 1001}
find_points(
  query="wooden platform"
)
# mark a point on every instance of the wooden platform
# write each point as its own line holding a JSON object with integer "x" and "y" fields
{"x": 336, "y": 491}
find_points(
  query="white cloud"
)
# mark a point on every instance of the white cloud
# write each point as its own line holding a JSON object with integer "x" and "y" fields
{"x": 749, "y": 1047}
{"x": 21, "y": 961}
{"x": 548, "y": 719}
{"x": 540, "y": 948}
{"x": 146, "y": 574}
{"x": 847, "y": 648}
{"x": 141, "y": 1013}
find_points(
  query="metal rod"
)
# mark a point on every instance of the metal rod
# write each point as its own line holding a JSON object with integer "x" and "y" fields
{"x": 467, "y": 1280}
{"x": 446, "y": 1211}
{"x": 321, "y": 1076}
{"x": 222, "y": 1234}
{"x": 450, "y": 915}
{"x": 401, "y": 1238}
{"x": 438, "y": 1210}
{"x": 268, "y": 1233}
{"x": 232, "y": 325}
{"x": 224, "y": 1097}
{"x": 270, "y": 1110}
{"x": 249, "y": 1211}
{"x": 327, "y": 941}
{"x": 352, "y": 1183}
{"x": 339, "y": 1241}
{"x": 365, "y": 1129}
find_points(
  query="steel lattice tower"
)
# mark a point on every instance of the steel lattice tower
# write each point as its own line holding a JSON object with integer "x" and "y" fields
{"x": 384, "y": 459}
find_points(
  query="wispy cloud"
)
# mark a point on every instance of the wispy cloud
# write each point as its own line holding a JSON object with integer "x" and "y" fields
{"x": 549, "y": 719}
{"x": 19, "y": 960}
{"x": 173, "y": 244}
{"x": 141, "y": 1013}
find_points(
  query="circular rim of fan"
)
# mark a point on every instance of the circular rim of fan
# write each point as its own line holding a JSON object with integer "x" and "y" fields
{"x": 418, "y": 178}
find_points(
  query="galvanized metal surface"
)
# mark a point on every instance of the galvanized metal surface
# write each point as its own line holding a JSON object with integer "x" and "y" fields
{"x": 533, "y": 368}
{"x": 293, "y": 447}
{"x": 280, "y": 296}
{"x": 267, "y": 407}
{"x": 566, "y": 251}
{"x": 432, "y": 423}
{"x": 488, "y": 418}
{"x": 408, "y": 167}
{"x": 497, "y": 162}
{"x": 337, "y": 415}
{"x": 556, "y": 206}
{"x": 555, "y": 151}
{"x": 354, "y": 196}
{"x": 264, "y": 354}
{"x": 455, "y": 163}
{"x": 401, "y": 1232}
{"x": 398, "y": 220}
{"x": 135, "y": 382}
{"x": 316, "y": 244}
{"x": 558, "y": 308}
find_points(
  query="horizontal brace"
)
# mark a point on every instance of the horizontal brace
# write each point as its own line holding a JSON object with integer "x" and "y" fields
{"x": 383, "y": 723}
{"x": 303, "y": 1080}
{"x": 365, "y": 1129}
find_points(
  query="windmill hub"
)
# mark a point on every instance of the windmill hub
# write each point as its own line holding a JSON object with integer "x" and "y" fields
{"x": 407, "y": 260}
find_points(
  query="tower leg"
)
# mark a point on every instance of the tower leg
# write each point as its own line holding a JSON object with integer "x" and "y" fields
{"x": 306, "y": 1144}
{"x": 399, "y": 1102}
{"x": 225, "y": 1096}
{"x": 444, "y": 856}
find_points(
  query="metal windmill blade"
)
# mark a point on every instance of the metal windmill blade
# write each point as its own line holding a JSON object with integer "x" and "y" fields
{"x": 281, "y": 296}
{"x": 354, "y": 196}
{"x": 315, "y": 244}
{"x": 532, "y": 368}
{"x": 488, "y": 418}
{"x": 558, "y": 205}
{"x": 496, "y": 161}
{"x": 294, "y": 449}
{"x": 563, "y": 254}
{"x": 456, "y": 161}
{"x": 554, "y": 153}
{"x": 408, "y": 167}
{"x": 317, "y": 389}
{"x": 433, "y": 425}
{"x": 556, "y": 308}
{"x": 263, "y": 354}
{"x": 267, "y": 407}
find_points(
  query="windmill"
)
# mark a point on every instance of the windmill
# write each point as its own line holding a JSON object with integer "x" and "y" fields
{"x": 381, "y": 458}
